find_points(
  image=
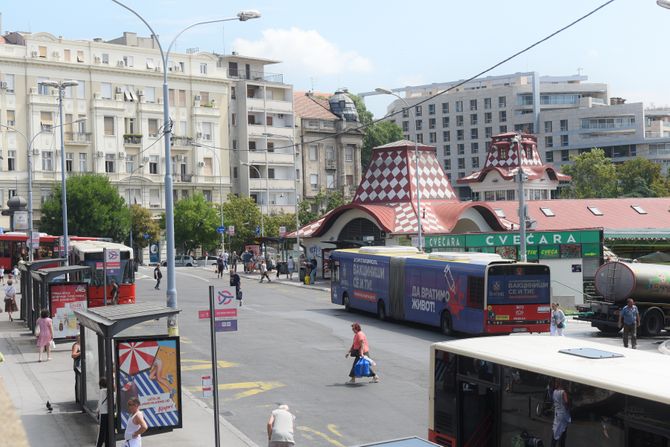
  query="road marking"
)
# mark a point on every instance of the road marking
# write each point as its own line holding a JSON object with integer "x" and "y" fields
{"x": 185, "y": 340}
{"x": 252, "y": 388}
{"x": 333, "y": 429}
{"x": 204, "y": 364}
{"x": 308, "y": 430}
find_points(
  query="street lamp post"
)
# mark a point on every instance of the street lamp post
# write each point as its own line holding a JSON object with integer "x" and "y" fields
{"x": 171, "y": 293}
{"x": 130, "y": 208}
{"x": 266, "y": 180}
{"x": 218, "y": 161}
{"x": 61, "y": 86}
{"x": 416, "y": 161}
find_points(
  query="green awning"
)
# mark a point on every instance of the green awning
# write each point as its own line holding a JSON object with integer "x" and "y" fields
{"x": 632, "y": 234}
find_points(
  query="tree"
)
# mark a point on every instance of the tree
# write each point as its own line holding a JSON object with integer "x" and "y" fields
{"x": 376, "y": 134}
{"x": 274, "y": 221}
{"x": 641, "y": 177}
{"x": 94, "y": 208}
{"x": 593, "y": 176}
{"x": 143, "y": 223}
{"x": 243, "y": 213}
{"x": 195, "y": 223}
{"x": 312, "y": 209}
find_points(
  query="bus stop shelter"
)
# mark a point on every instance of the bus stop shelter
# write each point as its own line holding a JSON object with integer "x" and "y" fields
{"x": 98, "y": 327}
{"x": 404, "y": 442}
{"x": 27, "y": 310}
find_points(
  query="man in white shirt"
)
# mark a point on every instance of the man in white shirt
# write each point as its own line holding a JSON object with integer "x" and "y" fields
{"x": 280, "y": 428}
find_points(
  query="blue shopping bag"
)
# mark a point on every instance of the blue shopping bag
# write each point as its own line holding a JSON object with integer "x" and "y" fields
{"x": 362, "y": 368}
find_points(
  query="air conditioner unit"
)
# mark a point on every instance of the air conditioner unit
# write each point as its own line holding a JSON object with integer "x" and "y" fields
{"x": 201, "y": 164}
{"x": 34, "y": 54}
{"x": 36, "y": 151}
{"x": 145, "y": 159}
{"x": 196, "y": 98}
{"x": 96, "y": 59}
{"x": 100, "y": 154}
{"x": 140, "y": 93}
{"x": 122, "y": 155}
{"x": 120, "y": 64}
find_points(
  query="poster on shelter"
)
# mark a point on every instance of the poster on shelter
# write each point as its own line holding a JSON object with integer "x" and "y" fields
{"x": 64, "y": 299}
{"x": 148, "y": 368}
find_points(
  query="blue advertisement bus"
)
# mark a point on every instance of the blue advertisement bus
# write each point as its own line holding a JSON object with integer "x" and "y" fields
{"x": 470, "y": 293}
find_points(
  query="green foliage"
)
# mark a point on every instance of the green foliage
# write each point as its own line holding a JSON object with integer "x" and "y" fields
{"x": 376, "y": 134}
{"x": 243, "y": 213}
{"x": 274, "y": 221}
{"x": 195, "y": 222}
{"x": 593, "y": 176}
{"x": 312, "y": 209}
{"x": 143, "y": 223}
{"x": 94, "y": 208}
{"x": 641, "y": 177}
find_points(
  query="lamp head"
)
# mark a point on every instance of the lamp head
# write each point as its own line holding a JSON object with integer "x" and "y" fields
{"x": 248, "y": 14}
{"x": 384, "y": 91}
{"x": 663, "y": 3}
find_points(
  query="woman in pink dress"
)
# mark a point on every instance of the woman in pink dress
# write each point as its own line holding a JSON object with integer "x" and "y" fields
{"x": 46, "y": 334}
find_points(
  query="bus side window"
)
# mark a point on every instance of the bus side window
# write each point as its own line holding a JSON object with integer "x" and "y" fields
{"x": 335, "y": 271}
{"x": 475, "y": 292}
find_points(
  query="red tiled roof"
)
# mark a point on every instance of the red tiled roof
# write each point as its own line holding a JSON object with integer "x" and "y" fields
{"x": 617, "y": 214}
{"x": 313, "y": 106}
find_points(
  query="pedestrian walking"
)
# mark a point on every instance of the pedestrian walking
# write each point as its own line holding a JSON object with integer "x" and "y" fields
{"x": 233, "y": 261}
{"x": 358, "y": 349}
{"x": 629, "y": 319}
{"x": 561, "y": 415}
{"x": 115, "y": 292}
{"x": 10, "y": 299}
{"x": 16, "y": 273}
{"x": 264, "y": 271}
{"x": 219, "y": 266}
{"x": 157, "y": 276}
{"x": 225, "y": 260}
{"x": 2, "y": 274}
{"x": 557, "y": 320}
{"x": 102, "y": 413}
{"x": 312, "y": 272}
{"x": 136, "y": 424}
{"x": 75, "y": 353}
{"x": 237, "y": 283}
{"x": 291, "y": 267}
{"x": 280, "y": 427}
{"x": 45, "y": 334}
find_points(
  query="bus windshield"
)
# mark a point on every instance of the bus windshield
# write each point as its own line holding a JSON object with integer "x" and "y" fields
{"x": 518, "y": 284}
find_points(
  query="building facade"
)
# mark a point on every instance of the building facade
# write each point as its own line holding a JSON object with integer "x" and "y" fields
{"x": 568, "y": 114}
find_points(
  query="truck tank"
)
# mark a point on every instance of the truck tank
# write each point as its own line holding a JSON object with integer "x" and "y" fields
{"x": 618, "y": 281}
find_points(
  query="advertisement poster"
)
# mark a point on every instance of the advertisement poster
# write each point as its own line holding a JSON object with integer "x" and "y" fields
{"x": 148, "y": 368}
{"x": 64, "y": 299}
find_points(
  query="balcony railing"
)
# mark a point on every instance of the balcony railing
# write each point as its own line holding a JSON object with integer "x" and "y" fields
{"x": 132, "y": 139}
{"x": 256, "y": 76}
{"x": 181, "y": 141}
{"x": 185, "y": 178}
{"x": 78, "y": 137}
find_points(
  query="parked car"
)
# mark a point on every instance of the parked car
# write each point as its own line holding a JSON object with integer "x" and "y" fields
{"x": 206, "y": 260}
{"x": 183, "y": 261}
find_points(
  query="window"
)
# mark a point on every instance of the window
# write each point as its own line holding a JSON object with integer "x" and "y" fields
{"x": 42, "y": 51}
{"x": 503, "y": 129}
{"x": 488, "y": 132}
{"x": 461, "y": 163}
{"x": 128, "y": 61}
{"x": 475, "y": 162}
{"x": 313, "y": 152}
{"x": 432, "y": 137}
{"x": 419, "y": 138}
{"x": 130, "y": 164}
{"x": 511, "y": 194}
{"x": 9, "y": 80}
{"x": 502, "y": 102}
{"x": 459, "y": 106}
{"x": 459, "y": 120}
{"x": 106, "y": 90}
{"x": 446, "y": 135}
{"x": 565, "y": 155}
{"x": 447, "y": 150}
{"x": 81, "y": 89}
{"x": 447, "y": 165}
{"x": 445, "y": 107}
{"x": 548, "y": 127}
{"x": 330, "y": 181}
{"x": 155, "y": 197}
{"x": 150, "y": 94}
{"x": 502, "y": 116}
{"x": 488, "y": 117}
{"x": 46, "y": 121}
{"x": 405, "y": 126}
{"x": 349, "y": 152}
{"x": 460, "y": 149}
{"x": 638, "y": 209}
{"x": 474, "y": 134}
{"x": 203, "y": 68}
{"x": 80, "y": 56}
{"x": 431, "y": 109}
{"x": 418, "y": 125}
{"x": 431, "y": 123}
{"x": 330, "y": 153}
{"x": 487, "y": 103}
{"x": 473, "y": 104}
{"x": 109, "y": 163}
{"x": 153, "y": 164}
{"x": 473, "y": 119}
{"x": 83, "y": 163}
{"x": 69, "y": 161}
{"x": 564, "y": 125}
{"x": 131, "y": 126}
{"x": 548, "y": 141}
{"x": 47, "y": 161}
{"x": 11, "y": 160}
{"x": 474, "y": 148}
{"x": 314, "y": 181}
{"x": 445, "y": 121}
{"x": 460, "y": 135}
{"x": 206, "y": 131}
{"x": 547, "y": 212}
{"x": 564, "y": 140}
{"x": 549, "y": 156}
{"x": 271, "y": 172}
{"x": 595, "y": 210}
{"x": 252, "y": 146}
{"x": 105, "y": 58}
{"x": 417, "y": 110}
{"x": 41, "y": 88}
{"x": 153, "y": 127}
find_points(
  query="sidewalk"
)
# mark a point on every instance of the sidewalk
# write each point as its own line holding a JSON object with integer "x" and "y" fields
{"x": 31, "y": 384}
{"x": 322, "y": 285}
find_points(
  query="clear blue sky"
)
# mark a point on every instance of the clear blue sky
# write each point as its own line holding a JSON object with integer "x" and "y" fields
{"x": 366, "y": 44}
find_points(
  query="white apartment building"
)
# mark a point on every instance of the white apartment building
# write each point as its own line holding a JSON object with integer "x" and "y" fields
{"x": 265, "y": 156}
{"x": 568, "y": 115}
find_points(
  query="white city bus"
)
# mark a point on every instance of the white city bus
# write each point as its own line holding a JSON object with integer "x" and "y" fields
{"x": 496, "y": 391}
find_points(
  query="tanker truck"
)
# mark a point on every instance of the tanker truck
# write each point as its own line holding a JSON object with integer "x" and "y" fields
{"x": 647, "y": 284}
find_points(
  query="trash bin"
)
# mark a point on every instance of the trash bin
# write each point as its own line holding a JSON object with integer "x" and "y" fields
{"x": 303, "y": 273}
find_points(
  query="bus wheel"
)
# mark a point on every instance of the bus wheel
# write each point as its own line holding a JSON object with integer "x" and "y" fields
{"x": 381, "y": 310}
{"x": 345, "y": 301}
{"x": 445, "y": 324}
{"x": 652, "y": 322}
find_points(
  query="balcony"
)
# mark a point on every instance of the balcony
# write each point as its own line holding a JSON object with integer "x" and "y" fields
{"x": 182, "y": 178}
{"x": 181, "y": 141}
{"x": 77, "y": 138}
{"x": 256, "y": 76}
{"x": 132, "y": 139}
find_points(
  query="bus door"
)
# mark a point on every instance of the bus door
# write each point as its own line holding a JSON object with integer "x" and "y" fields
{"x": 334, "y": 281}
{"x": 478, "y": 410}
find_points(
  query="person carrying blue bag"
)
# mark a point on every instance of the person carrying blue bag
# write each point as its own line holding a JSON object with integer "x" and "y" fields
{"x": 360, "y": 351}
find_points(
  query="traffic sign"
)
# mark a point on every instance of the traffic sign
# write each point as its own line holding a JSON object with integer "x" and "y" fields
{"x": 282, "y": 231}
{"x": 221, "y": 229}
{"x": 147, "y": 236}
{"x": 258, "y": 230}
{"x": 225, "y": 325}
{"x": 218, "y": 313}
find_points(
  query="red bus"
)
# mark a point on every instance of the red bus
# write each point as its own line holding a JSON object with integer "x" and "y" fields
{"x": 14, "y": 247}
{"x": 122, "y": 270}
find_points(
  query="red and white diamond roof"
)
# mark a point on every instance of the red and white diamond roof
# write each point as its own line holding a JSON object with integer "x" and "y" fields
{"x": 508, "y": 152}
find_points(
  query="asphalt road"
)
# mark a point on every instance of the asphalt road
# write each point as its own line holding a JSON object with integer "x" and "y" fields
{"x": 290, "y": 349}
